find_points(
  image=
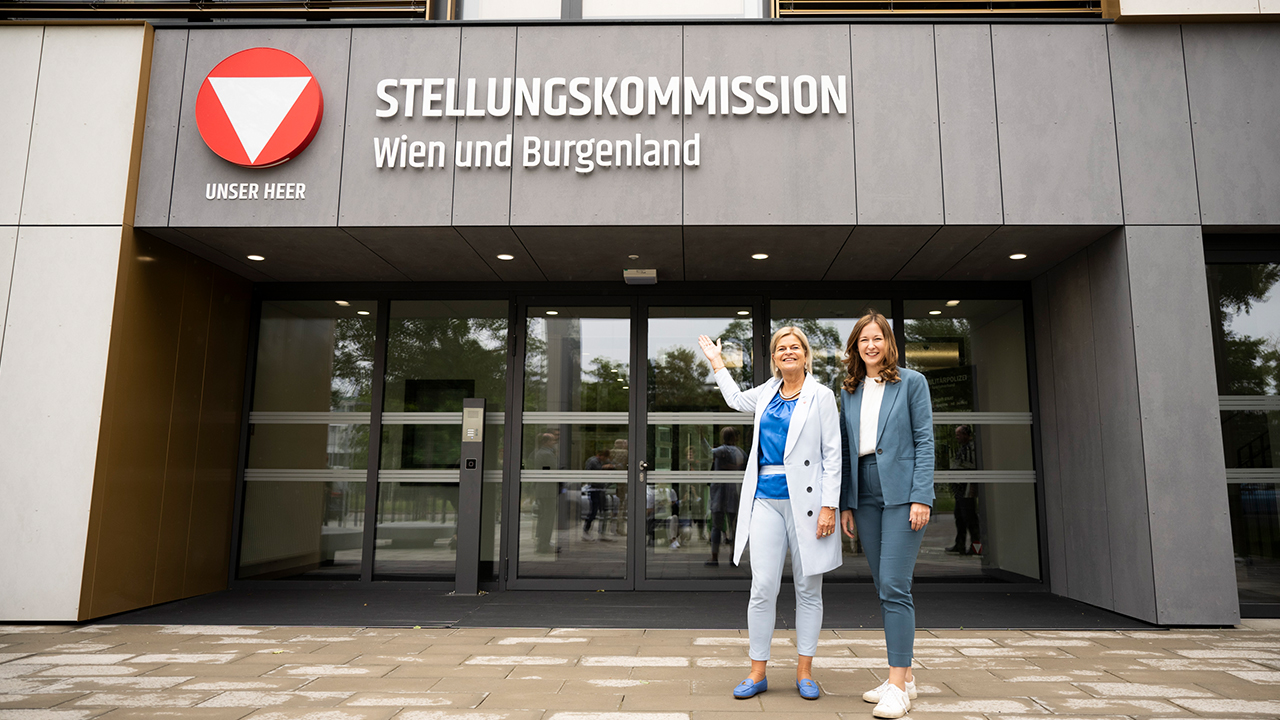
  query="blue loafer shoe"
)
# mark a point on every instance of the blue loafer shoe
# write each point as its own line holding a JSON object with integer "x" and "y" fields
{"x": 747, "y": 689}
{"x": 808, "y": 689}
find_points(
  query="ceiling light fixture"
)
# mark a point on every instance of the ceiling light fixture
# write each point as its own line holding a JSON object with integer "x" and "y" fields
{"x": 505, "y": 256}
{"x": 362, "y": 312}
{"x": 935, "y": 312}
{"x": 633, "y": 257}
{"x": 744, "y": 312}
{"x": 760, "y": 256}
{"x": 553, "y": 312}
{"x": 343, "y": 303}
{"x": 1018, "y": 256}
{"x": 952, "y": 303}
{"x": 256, "y": 258}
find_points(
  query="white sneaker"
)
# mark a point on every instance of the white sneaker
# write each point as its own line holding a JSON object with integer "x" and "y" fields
{"x": 894, "y": 703}
{"x": 873, "y": 696}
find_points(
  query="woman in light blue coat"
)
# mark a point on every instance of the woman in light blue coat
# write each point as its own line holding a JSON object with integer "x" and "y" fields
{"x": 886, "y": 491}
{"x": 790, "y": 492}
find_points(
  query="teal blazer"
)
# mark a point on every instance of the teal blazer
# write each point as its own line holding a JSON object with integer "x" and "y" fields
{"x": 904, "y": 443}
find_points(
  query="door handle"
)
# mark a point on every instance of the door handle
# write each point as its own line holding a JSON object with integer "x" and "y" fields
{"x": 644, "y": 466}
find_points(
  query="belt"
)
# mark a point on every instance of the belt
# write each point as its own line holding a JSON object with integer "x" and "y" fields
{"x": 773, "y": 470}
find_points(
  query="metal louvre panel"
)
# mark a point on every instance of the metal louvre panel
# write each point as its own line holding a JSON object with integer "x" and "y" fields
{"x": 311, "y": 418}
{"x": 984, "y": 476}
{"x": 1024, "y": 8}
{"x": 700, "y": 418}
{"x": 1253, "y": 403}
{"x": 982, "y": 418}
{"x": 694, "y": 476}
{"x": 432, "y": 476}
{"x": 575, "y": 418}
{"x": 320, "y": 475}
{"x": 1236, "y": 476}
{"x": 436, "y": 418}
{"x": 573, "y": 476}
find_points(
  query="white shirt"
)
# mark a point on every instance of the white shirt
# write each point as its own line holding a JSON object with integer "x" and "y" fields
{"x": 872, "y": 394}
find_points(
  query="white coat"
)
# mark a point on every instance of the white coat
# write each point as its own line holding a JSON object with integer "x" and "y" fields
{"x": 812, "y": 459}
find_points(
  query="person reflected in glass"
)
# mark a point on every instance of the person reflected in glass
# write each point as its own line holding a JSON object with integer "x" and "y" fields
{"x": 725, "y": 457}
{"x": 546, "y": 457}
{"x": 596, "y": 496}
{"x": 964, "y": 456}
{"x": 790, "y": 492}
{"x": 887, "y": 488}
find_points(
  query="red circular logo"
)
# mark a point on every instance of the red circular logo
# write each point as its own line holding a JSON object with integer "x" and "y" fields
{"x": 259, "y": 107}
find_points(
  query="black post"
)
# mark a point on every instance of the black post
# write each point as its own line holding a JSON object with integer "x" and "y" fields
{"x": 470, "y": 492}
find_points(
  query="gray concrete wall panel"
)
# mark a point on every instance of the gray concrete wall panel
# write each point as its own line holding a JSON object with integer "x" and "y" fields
{"x": 895, "y": 105}
{"x": 1129, "y": 526}
{"x": 160, "y": 139}
{"x": 876, "y": 252}
{"x": 426, "y": 254}
{"x": 967, "y": 107}
{"x": 482, "y": 196}
{"x": 724, "y": 253}
{"x": 82, "y": 133}
{"x": 490, "y": 242}
{"x": 600, "y": 253}
{"x": 1181, "y": 430}
{"x": 763, "y": 169}
{"x": 1233, "y": 79}
{"x": 948, "y": 246}
{"x": 325, "y": 51}
{"x": 1058, "y": 163}
{"x": 1054, "y": 531}
{"x": 20, "y": 58}
{"x": 1153, "y": 125}
{"x": 1080, "y": 460}
{"x": 394, "y": 196}
{"x": 301, "y": 254}
{"x": 542, "y": 196}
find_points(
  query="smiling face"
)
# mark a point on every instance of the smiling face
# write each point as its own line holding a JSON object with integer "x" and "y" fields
{"x": 871, "y": 346}
{"x": 789, "y": 354}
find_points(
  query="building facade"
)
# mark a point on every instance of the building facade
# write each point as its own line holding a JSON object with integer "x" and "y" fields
{"x": 368, "y": 302}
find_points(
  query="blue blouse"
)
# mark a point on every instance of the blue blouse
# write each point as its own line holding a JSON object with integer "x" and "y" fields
{"x": 774, "y": 424}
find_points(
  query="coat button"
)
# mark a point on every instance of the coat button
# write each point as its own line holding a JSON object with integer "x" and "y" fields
{"x": 806, "y": 462}
{"x": 879, "y": 451}
{"x": 808, "y": 489}
{"x": 810, "y": 513}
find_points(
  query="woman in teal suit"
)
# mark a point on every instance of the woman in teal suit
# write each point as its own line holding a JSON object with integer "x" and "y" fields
{"x": 887, "y": 487}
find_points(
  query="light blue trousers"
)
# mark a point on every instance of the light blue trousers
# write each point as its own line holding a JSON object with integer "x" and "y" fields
{"x": 773, "y": 530}
{"x": 891, "y": 547}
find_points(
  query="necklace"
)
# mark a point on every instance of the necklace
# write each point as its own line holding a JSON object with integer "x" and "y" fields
{"x": 792, "y": 396}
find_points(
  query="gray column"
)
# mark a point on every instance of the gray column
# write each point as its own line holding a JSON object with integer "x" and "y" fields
{"x": 1134, "y": 480}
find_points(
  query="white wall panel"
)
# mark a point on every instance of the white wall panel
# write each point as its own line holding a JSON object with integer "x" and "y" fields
{"x": 52, "y": 374}
{"x": 8, "y": 243}
{"x": 82, "y": 138}
{"x": 20, "y": 58}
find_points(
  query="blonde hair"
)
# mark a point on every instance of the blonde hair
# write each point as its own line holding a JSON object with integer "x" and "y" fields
{"x": 804, "y": 343}
{"x": 857, "y": 369}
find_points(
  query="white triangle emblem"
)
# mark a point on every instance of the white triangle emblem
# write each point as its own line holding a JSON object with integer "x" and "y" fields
{"x": 257, "y": 105}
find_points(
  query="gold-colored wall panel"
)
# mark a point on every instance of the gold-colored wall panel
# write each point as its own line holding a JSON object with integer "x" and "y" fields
{"x": 165, "y": 480}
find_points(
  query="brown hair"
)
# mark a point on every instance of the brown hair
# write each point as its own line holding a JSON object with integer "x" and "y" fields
{"x": 855, "y": 367}
{"x": 804, "y": 343}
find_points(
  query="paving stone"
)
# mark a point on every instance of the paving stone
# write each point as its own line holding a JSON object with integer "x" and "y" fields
{"x": 292, "y": 658}
{"x": 152, "y": 699}
{"x": 986, "y": 705}
{"x": 409, "y": 672}
{"x": 331, "y": 671}
{"x": 433, "y": 699}
{"x": 471, "y": 684}
{"x": 73, "y": 659}
{"x": 253, "y": 698}
{"x": 86, "y": 684}
{"x": 85, "y": 670}
{"x": 1108, "y": 706}
{"x": 672, "y": 690}
{"x": 327, "y": 714}
{"x": 1269, "y": 708}
{"x": 649, "y": 703}
{"x": 997, "y": 688}
{"x": 382, "y": 684}
{"x": 55, "y": 714}
{"x": 1267, "y": 677}
{"x": 1144, "y": 690}
{"x": 177, "y": 714}
{"x": 40, "y": 700}
{"x": 551, "y": 701}
{"x": 228, "y": 670}
{"x": 215, "y": 684}
{"x": 413, "y": 714}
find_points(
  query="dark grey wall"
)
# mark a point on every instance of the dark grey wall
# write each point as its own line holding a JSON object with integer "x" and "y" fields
{"x": 1131, "y": 446}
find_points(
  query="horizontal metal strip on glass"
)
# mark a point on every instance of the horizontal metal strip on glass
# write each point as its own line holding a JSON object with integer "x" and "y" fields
{"x": 432, "y": 476}
{"x": 982, "y": 418}
{"x": 322, "y": 475}
{"x": 984, "y": 476}
{"x": 309, "y": 418}
{"x": 575, "y": 418}
{"x": 1256, "y": 403}
{"x": 1253, "y": 475}
{"x": 574, "y": 476}
{"x": 700, "y": 418}
{"x": 694, "y": 476}
{"x": 435, "y": 418}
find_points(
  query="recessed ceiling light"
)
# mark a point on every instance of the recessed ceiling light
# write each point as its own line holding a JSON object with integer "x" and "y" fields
{"x": 935, "y": 312}
{"x": 505, "y": 256}
{"x": 362, "y": 312}
{"x": 1018, "y": 256}
{"x": 256, "y": 258}
{"x": 626, "y": 387}
{"x": 744, "y": 312}
{"x": 343, "y": 303}
{"x": 952, "y": 303}
{"x": 145, "y": 258}
{"x": 553, "y": 312}
{"x": 760, "y": 256}
{"x": 633, "y": 257}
